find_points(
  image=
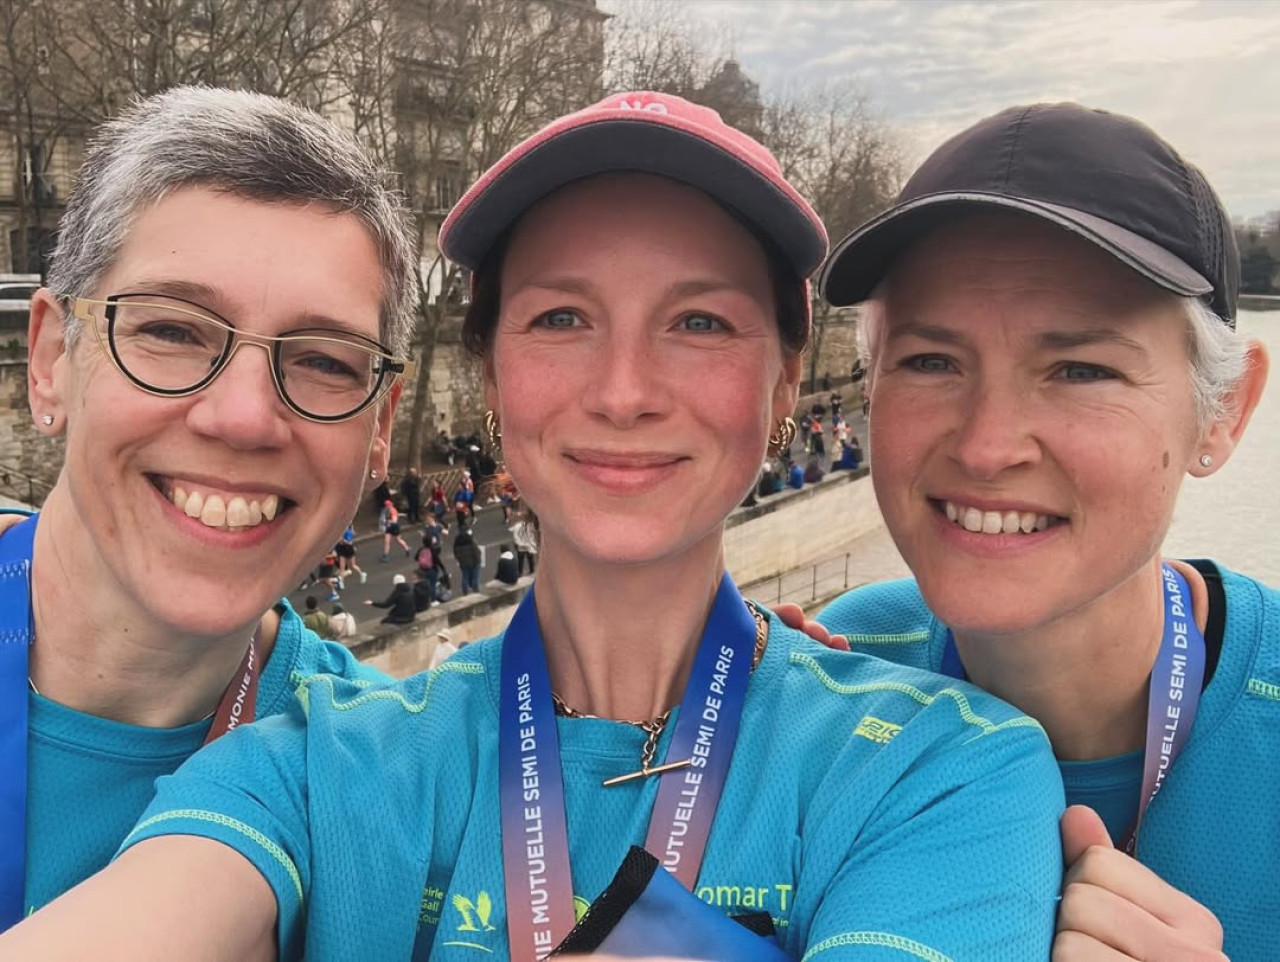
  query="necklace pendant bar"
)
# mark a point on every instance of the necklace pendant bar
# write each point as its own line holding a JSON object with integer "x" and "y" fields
{"x": 646, "y": 772}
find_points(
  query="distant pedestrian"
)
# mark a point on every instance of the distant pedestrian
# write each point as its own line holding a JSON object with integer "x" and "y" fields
{"x": 508, "y": 573}
{"x": 342, "y": 623}
{"x": 837, "y": 403}
{"x": 813, "y": 470}
{"x": 381, "y": 495}
{"x": 315, "y": 619}
{"x": 424, "y": 590}
{"x": 438, "y": 506}
{"x": 329, "y": 576}
{"x": 411, "y": 490}
{"x": 400, "y": 601}
{"x": 467, "y": 553}
{"x": 461, "y": 507}
{"x": 525, "y": 535}
{"x": 429, "y": 564}
{"x": 389, "y": 521}
{"x": 345, "y": 552}
{"x": 850, "y": 458}
{"x": 795, "y": 476}
{"x": 770, "y": 480}
{"x": 805, "y": 427}
{"x": 817, "y": 445}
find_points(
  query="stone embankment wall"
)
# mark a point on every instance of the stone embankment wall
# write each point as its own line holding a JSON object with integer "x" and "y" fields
{"x": 24, "y": 451}
{"x": 786, "y": 531}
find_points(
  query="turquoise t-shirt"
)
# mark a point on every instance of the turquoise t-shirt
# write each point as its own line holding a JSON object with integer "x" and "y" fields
{"x": 1214, "y": 829}
{"x": 90, "y": 778}
{"x": 874, "y": 811}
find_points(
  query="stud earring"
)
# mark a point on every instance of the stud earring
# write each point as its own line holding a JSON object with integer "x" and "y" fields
{"x": 492, "y": 430}
{"x": 47, "y": 420}
{"x": 1206, "y": 460}
{"x": 782, "y": 436}
{"x": 373, "y": 474}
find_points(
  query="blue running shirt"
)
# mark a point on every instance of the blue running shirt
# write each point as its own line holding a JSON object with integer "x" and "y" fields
{"x": 874, "y": 811}
{"x": 1214, "y": 829}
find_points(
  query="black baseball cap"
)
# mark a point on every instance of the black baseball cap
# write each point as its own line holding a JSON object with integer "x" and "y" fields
{"x": 1105, "y": 177}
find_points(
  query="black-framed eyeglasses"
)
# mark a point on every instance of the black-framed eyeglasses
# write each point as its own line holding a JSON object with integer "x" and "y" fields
{"x": 173, "y": 348}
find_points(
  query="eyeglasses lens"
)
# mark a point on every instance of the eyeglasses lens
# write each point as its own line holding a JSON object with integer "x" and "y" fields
{"x": 169, "y": 348}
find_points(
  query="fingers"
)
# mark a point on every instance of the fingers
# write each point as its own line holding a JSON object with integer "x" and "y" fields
{"x": 1082, "y": 828}
{"x": 792, "y": 615}
{"x": 1132, "y": 882}
{"x": 1098, "y": 923}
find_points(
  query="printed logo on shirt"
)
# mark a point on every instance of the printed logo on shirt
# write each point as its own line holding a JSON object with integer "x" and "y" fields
{"x": 474, "y": 912}
{"x": 774, "y": 899}
{"x": 877, "y": 730}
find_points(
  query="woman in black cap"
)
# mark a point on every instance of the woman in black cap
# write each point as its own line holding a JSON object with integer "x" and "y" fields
{"x": 643, "y": 763}
{"x": 1051, "y": 352}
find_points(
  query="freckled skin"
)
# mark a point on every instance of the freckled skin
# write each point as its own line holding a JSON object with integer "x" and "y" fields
{"x": 972, "y": 396}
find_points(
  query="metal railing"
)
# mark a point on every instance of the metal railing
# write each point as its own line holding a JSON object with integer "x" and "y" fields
{"x": 805, "y": 585}
{"x": 23, "y": 487}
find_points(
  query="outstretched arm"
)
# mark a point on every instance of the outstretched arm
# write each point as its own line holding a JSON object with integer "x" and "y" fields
{"x": 176, "y": 897}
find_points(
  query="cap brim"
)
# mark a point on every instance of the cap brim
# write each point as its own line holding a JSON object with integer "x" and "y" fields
{"x": 861, "y": 260}
{"x": 641, "y": 146}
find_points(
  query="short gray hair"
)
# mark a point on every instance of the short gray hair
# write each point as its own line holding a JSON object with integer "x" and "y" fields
{"x": 1218, "y": 353}
{"x": 247, "y": 144}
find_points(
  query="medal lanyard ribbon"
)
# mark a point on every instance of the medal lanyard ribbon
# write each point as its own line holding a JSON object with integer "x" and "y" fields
{"x": 535, "y": 841}
{"x": 16, "y": 633}
{"x": 1177, "y": 678}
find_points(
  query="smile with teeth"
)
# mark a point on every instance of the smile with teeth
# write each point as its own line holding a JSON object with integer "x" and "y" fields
{"x": 998, "y": 522}
{"x": 226, "y": 513}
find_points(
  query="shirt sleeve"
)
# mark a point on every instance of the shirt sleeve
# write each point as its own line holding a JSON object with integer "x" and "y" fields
{"x": 247, "y": 790}
{"x": 961, "y": 861}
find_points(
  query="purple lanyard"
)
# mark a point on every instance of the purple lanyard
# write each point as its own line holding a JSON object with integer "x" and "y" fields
{"x": 1177, "y": 679}
{"x": 535, "y": 841}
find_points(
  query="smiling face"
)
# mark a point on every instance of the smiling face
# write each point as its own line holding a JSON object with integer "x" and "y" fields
{"x": 1031, "y": 420}
{"x": 636, "y": 367}
{"x": 206, "y": 509}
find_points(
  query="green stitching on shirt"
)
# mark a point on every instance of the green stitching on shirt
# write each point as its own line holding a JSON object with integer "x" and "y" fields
{"x": 270, "y": 847}
{"x": 883, "y": 939}
{"x": 967, "y": 713}
{"x": 1263, "y": 689}
{"x": 392, "y": 694}
{"x": 910, "y": 638}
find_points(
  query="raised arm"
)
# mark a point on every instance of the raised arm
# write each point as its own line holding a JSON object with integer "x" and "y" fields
{"x": 176, "y": 897}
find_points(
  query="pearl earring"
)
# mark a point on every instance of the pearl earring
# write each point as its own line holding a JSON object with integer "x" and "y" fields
{"x": 1206, "y": 460}
{"x": 47, "y": 420}
{"x": 373, "y": 474}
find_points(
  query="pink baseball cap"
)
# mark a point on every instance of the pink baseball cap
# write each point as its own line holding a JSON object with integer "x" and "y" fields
{"x": 645, "y": 132}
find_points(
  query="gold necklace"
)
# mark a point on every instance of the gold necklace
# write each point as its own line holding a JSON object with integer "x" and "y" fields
{"x": 652, "y": 727}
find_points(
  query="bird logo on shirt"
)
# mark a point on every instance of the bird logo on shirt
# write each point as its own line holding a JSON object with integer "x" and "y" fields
{"x": 480, "y": 910}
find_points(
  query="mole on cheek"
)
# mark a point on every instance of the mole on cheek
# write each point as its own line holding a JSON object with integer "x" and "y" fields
{"x": 1165, "y": 459}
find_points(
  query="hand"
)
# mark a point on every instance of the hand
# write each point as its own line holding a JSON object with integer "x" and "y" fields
{"x": 1115, "y": 908}
{"x": 793, "y": 617}
{"x": 7, "y": 521}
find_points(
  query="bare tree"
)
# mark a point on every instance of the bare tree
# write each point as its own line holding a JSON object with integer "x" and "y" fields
{"x": 839, "y": 153}
{"x": 655, "y": 45}
{"x": 442, "y": 89}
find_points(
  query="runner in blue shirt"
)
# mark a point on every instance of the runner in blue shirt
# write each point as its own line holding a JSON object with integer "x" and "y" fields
{"x": 642, "y": 754}
{"x": 200, "y": 481}
{"x": 1052, "y": 350}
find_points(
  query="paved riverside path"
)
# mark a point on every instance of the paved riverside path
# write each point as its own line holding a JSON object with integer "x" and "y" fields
{"x": 487, "y": 527}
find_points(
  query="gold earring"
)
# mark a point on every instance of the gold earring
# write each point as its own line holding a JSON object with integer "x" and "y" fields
{"x": 492, "y": 431}
{"x": 780, "y": 440}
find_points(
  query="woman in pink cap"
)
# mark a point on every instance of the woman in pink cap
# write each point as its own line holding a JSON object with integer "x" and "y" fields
{"x": 643, "y": 763}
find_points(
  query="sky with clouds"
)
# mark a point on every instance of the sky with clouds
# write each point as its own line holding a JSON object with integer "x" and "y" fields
{"x": 1203, "y": 73}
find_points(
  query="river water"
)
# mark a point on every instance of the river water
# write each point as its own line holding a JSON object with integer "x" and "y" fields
{"x": 1233, "y": 516}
